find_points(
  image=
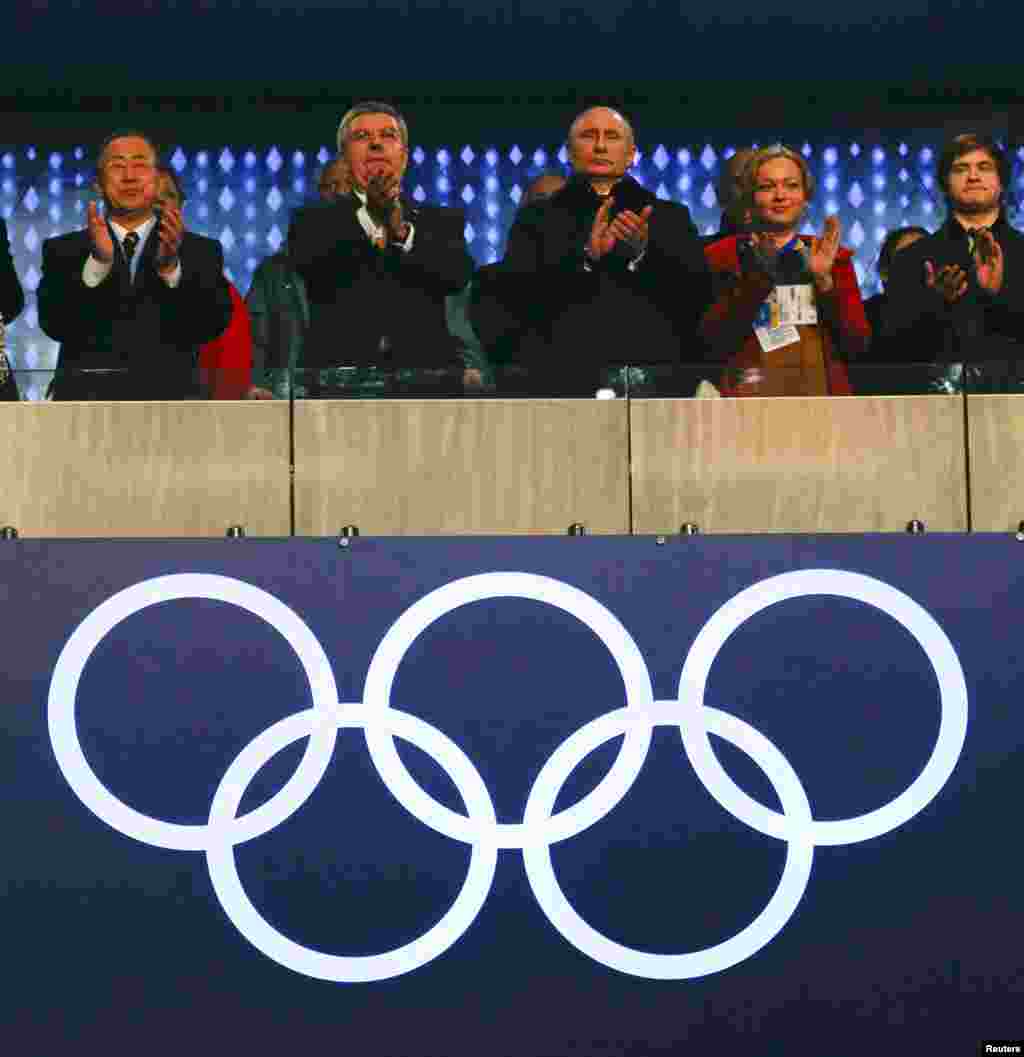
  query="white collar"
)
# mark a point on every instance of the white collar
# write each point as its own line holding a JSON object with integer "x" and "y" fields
{"x": 361, "y": 195}
{"x": 142, "y": 230}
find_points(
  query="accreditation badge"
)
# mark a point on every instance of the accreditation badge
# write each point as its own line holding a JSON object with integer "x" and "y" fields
{"x": 771, "y": 330}
{"x": 796, "y": 304}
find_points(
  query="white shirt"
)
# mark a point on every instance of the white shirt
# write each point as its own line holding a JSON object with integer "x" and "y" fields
{"x": 374, "y": 232}
{"x": 95, "y": 271}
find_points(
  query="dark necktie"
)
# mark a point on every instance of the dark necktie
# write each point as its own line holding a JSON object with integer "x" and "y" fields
{"x": 129, "y": 246}
{"x": 972, "y": 238}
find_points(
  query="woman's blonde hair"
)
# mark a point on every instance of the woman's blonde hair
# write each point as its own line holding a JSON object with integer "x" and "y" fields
{"x": 748, "y": 181}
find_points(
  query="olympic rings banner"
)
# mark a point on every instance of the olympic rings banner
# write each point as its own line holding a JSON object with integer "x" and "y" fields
{"x": 435, "y": 798}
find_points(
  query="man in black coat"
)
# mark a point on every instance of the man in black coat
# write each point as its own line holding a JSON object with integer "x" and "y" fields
{"x": 377, "y": 268}
{"x": 133, "y": 295}
{"x": 497, "y": 329}
{"x": 12, "y": 301}
{"x": 958, "y": 295}
{"x": 603, "y": 271}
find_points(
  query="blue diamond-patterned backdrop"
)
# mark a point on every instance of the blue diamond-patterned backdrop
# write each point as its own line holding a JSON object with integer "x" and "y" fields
{"x": 243, "y": 196}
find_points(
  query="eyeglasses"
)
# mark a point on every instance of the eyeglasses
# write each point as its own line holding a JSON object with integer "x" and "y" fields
{"x": 364, "y": 135}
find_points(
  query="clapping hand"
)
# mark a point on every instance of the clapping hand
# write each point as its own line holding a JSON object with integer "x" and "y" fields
{"x": 822, "y": 255}
{"x": 384, "y": 204}
{"x": 632, "y": 229}
{"x": 99, "y": 234}
{"x": 988, "y": 261}
{"x": 169, "y": 232}
{"x": 601, "y": 238}
{"x": 627, "y": 227}
{"x": 950, "y": 281}
{"x": 764, "y": 252}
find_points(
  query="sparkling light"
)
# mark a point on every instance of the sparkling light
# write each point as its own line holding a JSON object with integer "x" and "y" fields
{"x": 243, "y": 195}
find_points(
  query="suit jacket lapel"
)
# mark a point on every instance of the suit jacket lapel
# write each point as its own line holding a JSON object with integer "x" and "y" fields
{"x": 122, "y": 274}
{"x": 146, "y": 270}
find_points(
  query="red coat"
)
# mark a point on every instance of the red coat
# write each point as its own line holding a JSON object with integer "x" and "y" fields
{"x": 728, "y": 325}
{"x": 225, "y": 364}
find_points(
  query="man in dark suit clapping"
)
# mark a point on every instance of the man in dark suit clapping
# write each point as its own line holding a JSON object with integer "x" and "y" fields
{"x": 956, "y": 296}
{"x": 133, "y": 295}
{"x": 377, "y": 268}
{"x": 603, "y": 271}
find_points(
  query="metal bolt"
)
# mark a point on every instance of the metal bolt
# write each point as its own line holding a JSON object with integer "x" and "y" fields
{"x": 689, "y": 528}
{"x": 236, "y": 532}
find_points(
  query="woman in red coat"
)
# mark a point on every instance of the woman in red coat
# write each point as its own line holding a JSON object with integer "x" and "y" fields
{"x": 225, "y": 364}
{"x": 788, "y": 311}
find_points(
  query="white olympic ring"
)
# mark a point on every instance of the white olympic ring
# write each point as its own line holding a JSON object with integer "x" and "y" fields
{"x": 479, "y": 827}
{"x": 418, "y": 617}
{"x": 257, "y": 930}
{"x": 88, "y": 635}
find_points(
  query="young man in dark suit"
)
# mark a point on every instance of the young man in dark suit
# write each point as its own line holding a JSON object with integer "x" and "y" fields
{"x": 133, "y": 295}
{"x": 377, "y": 267}
{"x": 958, "y": 295}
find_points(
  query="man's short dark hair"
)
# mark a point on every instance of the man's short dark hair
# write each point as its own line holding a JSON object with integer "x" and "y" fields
{"x": 166, "y": 170}
{"x": 532, "y": 194}
{"x": 730, "y": 188}
{"x": 963, "y": 144}
{"x": 121, "y": 133}
{"x": 888, "y": 250}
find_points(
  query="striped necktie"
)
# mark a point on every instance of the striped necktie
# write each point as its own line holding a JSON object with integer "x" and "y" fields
{"x": 972, "y": 239}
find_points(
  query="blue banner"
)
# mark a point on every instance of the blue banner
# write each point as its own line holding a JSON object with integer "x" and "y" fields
{"x": 524, "y": 797}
